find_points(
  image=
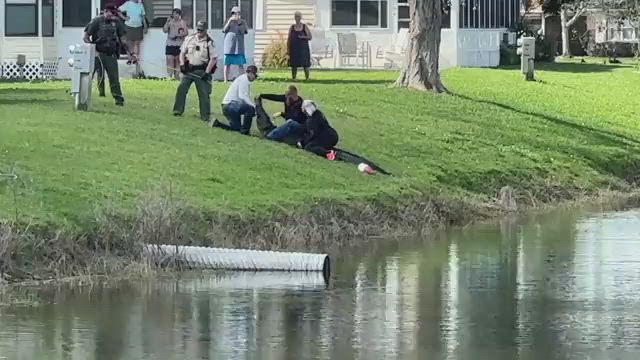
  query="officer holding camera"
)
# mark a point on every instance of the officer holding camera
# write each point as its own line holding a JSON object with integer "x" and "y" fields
{"x": 198, "y": 61}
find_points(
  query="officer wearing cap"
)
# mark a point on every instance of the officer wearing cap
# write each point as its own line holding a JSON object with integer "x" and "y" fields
{"x": 198, "y": 61}
{"x": 109, "y": 35}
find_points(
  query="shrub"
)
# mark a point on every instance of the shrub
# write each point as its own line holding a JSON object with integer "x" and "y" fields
{"x": 276, "y": 54}
{"x": 508, "y": 55}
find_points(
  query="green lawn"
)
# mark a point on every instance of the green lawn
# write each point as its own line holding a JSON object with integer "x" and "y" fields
{"x": 575, "y": 128}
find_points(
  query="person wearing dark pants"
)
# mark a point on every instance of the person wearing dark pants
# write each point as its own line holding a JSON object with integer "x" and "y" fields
{"x": 108, "y": 34}
{"x": 197, "y": 62}
{"x": 293, "y": 128}
{"x": 109, "y": 64}
{"x": 320, "y": 138}
{"x": 237, "y": 105}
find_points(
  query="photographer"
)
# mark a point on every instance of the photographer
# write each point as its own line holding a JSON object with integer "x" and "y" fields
{"x": 197, "y": 64}
{"x": 234, "y": 31}
{"x": 176, "y": 30}
{"x": 108, "y": 34}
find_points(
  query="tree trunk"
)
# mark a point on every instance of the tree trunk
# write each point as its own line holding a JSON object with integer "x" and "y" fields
{"x": 421, "y": 67}
{"x": 564, "y": 23}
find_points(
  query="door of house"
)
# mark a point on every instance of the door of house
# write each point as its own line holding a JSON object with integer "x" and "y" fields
{"x": 73, "y": 16}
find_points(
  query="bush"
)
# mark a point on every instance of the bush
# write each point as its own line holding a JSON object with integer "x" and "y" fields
{"x": 613, "y": 49}
{"x": 276, "y": 54}
{"x": 545, "y": 48}
{"x": 508, "y": 55}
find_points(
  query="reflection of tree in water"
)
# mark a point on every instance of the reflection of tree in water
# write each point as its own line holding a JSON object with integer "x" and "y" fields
{"x": 113, "y": 309}
{"x": 302, "y": 314}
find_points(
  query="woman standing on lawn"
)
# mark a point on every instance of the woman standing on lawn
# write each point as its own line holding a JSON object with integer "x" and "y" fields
{"x": 234, "y": 32}
{"x": 176, "y": 30}
{"x": 298, "y": 47}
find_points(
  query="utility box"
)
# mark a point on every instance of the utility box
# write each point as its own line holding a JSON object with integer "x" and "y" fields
{"x": 82, "y": 63}
{"x": 527, "y": 52}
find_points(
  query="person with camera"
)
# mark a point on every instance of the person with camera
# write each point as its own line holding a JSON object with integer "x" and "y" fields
{"x": 177, "y": 30}
{"x": 108, "y": 33}
{"x": 234, "y": 31}
{"x": 198, "y": 61}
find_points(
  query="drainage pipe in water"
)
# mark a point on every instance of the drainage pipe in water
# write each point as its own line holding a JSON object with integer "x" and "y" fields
{"x": 198, "y": 257}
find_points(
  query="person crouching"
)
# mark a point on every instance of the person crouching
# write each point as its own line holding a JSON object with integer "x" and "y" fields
{"x": 237, "y": 103}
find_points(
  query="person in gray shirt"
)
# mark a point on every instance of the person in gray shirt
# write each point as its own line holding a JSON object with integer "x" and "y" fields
{"x": 177, "y": 30}
{"x": 234, "y": 32}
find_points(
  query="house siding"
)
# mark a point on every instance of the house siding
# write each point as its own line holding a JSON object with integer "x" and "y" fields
{"x": 278, "y": 19}
{"x": 12, "y": 47}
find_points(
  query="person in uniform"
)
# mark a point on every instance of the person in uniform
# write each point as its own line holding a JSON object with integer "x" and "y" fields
{"x": 108, "y": 34}
{"x": 198, "y": 61}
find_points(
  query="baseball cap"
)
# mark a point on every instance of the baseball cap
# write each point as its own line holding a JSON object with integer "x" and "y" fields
{"x": 112, "y": 8}
{"x": 235, "y": 10}
{"x": 252, "y": 69}
{"x": 201, "y": 25}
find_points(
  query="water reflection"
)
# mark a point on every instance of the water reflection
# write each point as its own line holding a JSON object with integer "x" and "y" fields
{"x": 558, "y": 286}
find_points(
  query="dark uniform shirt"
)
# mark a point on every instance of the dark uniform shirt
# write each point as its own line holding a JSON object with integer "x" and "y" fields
{"x": 106, "y": 34}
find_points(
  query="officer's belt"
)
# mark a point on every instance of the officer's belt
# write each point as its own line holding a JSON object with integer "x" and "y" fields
{"x": 198, "y": 67}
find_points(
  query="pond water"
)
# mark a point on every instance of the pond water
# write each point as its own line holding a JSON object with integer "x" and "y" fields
{"x": 560, "y": 285}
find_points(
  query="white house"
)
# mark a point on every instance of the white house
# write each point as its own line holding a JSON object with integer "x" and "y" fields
{"x": 42, "y": 30}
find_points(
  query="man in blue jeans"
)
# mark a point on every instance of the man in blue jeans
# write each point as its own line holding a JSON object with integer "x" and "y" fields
{"x": 293, "y": 128}
{"x": 237, "y": 105}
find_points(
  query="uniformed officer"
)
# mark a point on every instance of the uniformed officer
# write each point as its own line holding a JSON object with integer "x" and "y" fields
{"x": 198, "y": 61}
{"x": 108, "y": 34}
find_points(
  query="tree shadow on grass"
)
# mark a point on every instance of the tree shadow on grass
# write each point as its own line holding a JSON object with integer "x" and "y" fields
{"x": 577, "y": 68}
{"x": 607, "y": 137}
{"x": 24, "y": 91}
{"x": 581, "y": 68}
{"x": 11, "y": 96}
{"x": 19, "y": 101}
{"x": 329, "y": 81}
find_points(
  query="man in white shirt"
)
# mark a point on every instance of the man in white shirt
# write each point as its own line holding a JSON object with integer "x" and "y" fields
{"x": 238, "y": 103}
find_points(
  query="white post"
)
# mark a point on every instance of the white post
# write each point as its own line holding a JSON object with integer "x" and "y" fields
{"x": 258, "y": 23}
{"x": 527, "y": 52}
{"x": 82, "y": 64}
{"x": 41, "y": 38}
{"x": 454, "y": 13}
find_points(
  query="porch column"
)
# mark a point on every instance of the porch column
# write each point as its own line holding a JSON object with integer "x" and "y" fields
{"x": 455, "y": 31}
{"x": 258, "y": 23}
{"x": 455, "y": 17}
{"x": 39, "y": 5}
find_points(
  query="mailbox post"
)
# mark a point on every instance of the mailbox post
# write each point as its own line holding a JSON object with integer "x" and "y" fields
{"x": 527, "y": 52}
{"x": 82, "y": 63}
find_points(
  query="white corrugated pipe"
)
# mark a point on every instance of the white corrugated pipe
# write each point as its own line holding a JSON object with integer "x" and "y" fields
{"x": 235, "y": 259}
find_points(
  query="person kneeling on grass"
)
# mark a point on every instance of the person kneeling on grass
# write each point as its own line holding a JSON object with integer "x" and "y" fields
{"x": 237, "y": 103}
{"x": 320, "y": 138}
{"x": 293, "y": 129}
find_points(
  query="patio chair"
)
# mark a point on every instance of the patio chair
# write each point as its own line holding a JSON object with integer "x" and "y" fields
{"x": 320, "y": 47}
{"x": 348, "y": 48}
{"x": 395, "y": 56}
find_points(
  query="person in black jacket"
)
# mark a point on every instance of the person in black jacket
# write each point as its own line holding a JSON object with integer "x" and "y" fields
{"x": 320, "y": 138}
{"x": 293, "y": 129}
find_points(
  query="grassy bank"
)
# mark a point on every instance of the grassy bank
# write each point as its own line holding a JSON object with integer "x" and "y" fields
{"x": 571, "y": 133}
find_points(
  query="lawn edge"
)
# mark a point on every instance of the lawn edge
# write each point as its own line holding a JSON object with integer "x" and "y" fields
{"x": 109, "y": 245}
